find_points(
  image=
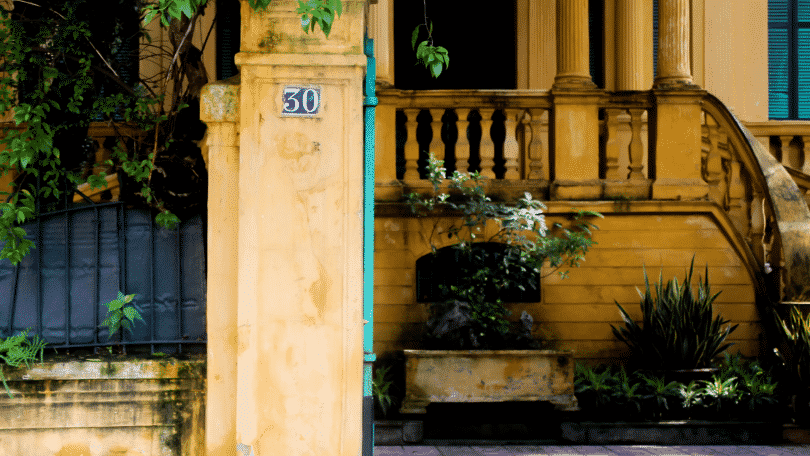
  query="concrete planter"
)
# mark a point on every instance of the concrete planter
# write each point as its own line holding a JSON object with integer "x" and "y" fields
{"x": 672, "y": 432}
{"x": 488, "y": 376}
{"x": 388, "y": 432}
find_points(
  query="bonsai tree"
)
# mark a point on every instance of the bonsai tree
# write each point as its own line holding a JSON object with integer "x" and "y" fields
{"x": 470, "y": 312}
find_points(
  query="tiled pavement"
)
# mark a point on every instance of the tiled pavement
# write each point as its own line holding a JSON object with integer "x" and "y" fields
{"x": 596, "y": 450}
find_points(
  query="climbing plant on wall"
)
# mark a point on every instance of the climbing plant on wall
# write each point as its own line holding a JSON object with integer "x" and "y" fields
{"x": 65, "y": 64}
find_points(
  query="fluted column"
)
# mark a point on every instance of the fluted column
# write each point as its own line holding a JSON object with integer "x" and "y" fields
{"x": 674, "y": 44}
{"x": 573, "y": 69}
{"x": 631, "y": 16}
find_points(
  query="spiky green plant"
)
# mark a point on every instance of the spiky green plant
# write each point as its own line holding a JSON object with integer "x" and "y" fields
{"x": 796, "y": 334}
{"x": 15, "y": 350}
{"x": 679, "y": 330}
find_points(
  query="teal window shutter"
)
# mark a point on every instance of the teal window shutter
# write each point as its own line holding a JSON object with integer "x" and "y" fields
{"x": 803, "y": 59}
{"x": 789, "y": 59}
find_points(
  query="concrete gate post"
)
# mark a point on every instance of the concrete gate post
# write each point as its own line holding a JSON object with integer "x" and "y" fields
{"x": 299, "y": 244}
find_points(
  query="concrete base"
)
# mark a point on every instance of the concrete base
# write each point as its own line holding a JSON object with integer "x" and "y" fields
{"x": 388, "y": 432}
{"x": 138, "y": 407}
{"x": 672, "y": 433}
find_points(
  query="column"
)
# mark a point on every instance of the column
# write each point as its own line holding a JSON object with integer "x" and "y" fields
{"x": 631, "y": 60}
{"x": 381, "y": 30}
{"x": 300, "y": 234}
{"x": 674, "y": 44}
{"x": 573, "y": 69}
{"x": 219, "y": 109}
{"x": 574, "y": 117}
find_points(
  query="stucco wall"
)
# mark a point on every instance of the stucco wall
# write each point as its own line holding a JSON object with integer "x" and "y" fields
{"x": 577, "y": 311}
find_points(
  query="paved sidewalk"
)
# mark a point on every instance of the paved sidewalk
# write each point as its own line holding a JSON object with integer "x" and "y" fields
{"x": 595, "y": 450}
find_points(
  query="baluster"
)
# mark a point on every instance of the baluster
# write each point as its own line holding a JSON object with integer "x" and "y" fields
{"x": 411, "y": 146}
{"x": 714, "y": 165}
{"x": 786, "y": 150}
{"x": 463, "y": 143}
{"x": 612, "y": 145}
{"x": 436, "y": 144}
{"x": 537, "y": 148}
{"x": 511, "y": 149}
{"x": 806, "y": 149}
{"x": 757, "y": 226}
{"x": 487, "y": 146}
{"x": 736, "y": 193}
{"x": 636, "y": 146}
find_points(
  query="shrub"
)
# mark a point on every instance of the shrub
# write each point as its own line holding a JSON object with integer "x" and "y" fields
{"x": 471, "y": 313}
{"x": 679, "y": 330}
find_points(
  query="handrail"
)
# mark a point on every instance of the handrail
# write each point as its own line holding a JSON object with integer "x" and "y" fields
{"x": 449, "y": 99}
{"x": 783, "y": 197}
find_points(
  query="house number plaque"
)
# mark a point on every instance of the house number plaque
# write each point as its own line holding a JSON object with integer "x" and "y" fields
{"x": 300, "y": 101}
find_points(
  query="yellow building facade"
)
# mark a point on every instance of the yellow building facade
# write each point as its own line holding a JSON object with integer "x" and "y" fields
{"x": 672, "y": 143}
{"x": 655, "y": 155}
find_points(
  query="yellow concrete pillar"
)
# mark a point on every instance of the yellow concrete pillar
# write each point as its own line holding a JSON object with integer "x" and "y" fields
{"x": 573, "y": 69}
{"x": 674, "y": 44}
{"x": 381, "y": 30}
{"x": 677, "y": 139}
{"x": 677, "y": 133}
{"x": 300, "y": 242}
{"x": 632, "y": 61}
{"x": 574, "y": 118}
{"x": 219, "y": 109}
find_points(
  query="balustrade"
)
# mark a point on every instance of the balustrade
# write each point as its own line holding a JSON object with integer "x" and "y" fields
{"x": 788, "y": 141}
{"x": 508, "y": 136}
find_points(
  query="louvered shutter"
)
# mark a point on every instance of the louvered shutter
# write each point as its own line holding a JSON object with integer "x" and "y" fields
{"x": 803, "y": 59}
{"x": 779, "y": 59}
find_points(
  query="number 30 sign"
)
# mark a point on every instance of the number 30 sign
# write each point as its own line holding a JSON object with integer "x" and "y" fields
{"x": 300, "y": 101}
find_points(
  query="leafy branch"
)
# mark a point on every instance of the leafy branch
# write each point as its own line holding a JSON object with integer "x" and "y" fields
{"x": 435, "y": 58}
{"x": 121, "y": 313}
{"x": 319, "y": 12}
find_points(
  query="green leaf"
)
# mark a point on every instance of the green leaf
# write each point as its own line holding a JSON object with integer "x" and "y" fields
{"x": 436, "y": 69}
{"x": 414, "y": 37}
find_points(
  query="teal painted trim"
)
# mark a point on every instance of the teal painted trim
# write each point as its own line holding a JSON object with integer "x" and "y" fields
{"x": 369, "y": 103}
{"x": 368, "y": 200}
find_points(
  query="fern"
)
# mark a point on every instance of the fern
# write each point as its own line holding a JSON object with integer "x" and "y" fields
{"x": 16, "y": 350}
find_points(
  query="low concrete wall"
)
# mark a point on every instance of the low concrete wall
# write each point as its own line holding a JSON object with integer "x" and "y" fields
{"x": 105, "y": 408}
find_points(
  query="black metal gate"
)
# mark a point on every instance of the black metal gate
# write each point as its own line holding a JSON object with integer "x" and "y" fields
{"x": 84, "y": 256}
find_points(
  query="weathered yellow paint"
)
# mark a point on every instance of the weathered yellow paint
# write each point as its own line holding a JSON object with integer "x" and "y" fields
{"x": 487, "y": 376}
{"x": 289, "y": 344}
{"x": 576, "y": 312}
{"x": 99, "y": 408}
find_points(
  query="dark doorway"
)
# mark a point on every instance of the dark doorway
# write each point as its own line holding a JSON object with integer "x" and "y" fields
{"x": 479, "y": 35}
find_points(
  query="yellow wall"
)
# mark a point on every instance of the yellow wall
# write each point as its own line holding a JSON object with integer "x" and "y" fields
{"x": 577, "y": 311}
{"x": 736, "y": 55}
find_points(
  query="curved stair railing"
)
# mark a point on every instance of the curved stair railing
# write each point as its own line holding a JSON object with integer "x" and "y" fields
{"x": 779, "y": 213}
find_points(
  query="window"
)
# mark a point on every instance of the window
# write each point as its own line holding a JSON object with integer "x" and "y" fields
{"x": 446, "y": 266}
{"x": 789, "y": 59}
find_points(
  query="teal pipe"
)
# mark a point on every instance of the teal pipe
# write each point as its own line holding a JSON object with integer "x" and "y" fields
{"x": 369, "y": 104}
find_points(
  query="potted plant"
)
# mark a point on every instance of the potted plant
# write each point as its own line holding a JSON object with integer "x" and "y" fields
{"x": 386, "y": 430}
{"x": 497, "y": 249}
{"x": 679, "y": 335}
